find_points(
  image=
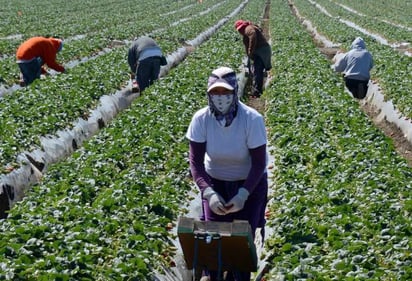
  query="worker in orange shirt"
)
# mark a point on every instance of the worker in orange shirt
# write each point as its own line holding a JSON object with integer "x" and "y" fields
{"x": 34, "y": 53}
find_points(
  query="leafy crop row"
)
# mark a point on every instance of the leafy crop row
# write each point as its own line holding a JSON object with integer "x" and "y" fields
{"x": 391, "y": 69}
{"x": 112, "y": 22}
{"x": 398, "y": 12}
{"x": 104, "y": 213}
{"x": 55, "y": 103}
{"x": 373, "y": 24}
{"x": 341, "y": 199}
{"x": 88, "y": 18}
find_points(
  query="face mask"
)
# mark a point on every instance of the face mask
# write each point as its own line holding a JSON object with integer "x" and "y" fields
{"x": 222, "y": 102}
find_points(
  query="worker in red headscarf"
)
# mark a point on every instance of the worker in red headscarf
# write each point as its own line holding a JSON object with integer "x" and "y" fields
{"x": 258, "y": 50}
{"x": 34, "y": 53}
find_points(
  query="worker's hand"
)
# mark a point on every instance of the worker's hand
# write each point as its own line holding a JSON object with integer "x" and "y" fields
{"x": 238, "y": 201}
{"x": 216, "y": 202}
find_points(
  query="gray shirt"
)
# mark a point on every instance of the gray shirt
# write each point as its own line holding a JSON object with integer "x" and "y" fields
{"x": 357, "y": 63}
{"x": 142, "y": 48}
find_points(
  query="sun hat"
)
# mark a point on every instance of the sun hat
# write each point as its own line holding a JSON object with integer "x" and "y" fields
{"x": 222, "y": 77}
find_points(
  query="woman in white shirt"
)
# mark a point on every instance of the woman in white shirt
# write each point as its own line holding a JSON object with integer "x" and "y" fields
{"x": 228, "y": 157}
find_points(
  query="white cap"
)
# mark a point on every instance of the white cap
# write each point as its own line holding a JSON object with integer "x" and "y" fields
{"x": 222, "y": 77}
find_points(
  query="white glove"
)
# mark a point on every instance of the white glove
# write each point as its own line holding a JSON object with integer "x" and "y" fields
{"x": 216, "y": 202}
{"x": 238, "y": 201}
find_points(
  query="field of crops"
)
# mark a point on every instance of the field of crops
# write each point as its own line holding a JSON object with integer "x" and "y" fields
{"x": 102, "y": 206}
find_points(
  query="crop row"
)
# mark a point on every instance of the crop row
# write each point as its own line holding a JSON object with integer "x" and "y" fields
{"x": 104, "y": 212}
{"x": 55, "y": 103}
{"x": 373, "y": 24}
{"x": 392, "y": 68}
{"x": 56, "y": 148}
{"x": 398, "y": 12}
{"x": 341, "y": 197}
{"x": 340, "y": 206}
{"x": 92, "y": 35}
{"x": 116, "y": 20}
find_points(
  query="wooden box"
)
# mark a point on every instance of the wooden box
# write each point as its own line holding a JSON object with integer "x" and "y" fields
{"x": 237, "y": 249}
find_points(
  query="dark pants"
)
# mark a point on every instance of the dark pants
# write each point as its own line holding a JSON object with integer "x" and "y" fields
{"x": 147, "y": 72}
{"x": 358, "y": 88}
{"x": 31, "y": 70}
{"x": 253, "y": 212}
{"x": 258, "y": 76}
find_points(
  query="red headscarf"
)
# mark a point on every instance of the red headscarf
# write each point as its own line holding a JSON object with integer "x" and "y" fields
{"x": 240, "y": 24}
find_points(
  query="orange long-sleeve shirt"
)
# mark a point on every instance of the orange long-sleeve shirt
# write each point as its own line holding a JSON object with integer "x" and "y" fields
{"x": 45, "y": 48}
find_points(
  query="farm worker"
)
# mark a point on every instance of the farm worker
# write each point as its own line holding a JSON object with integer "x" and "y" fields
{"x": 145, "y": 58}
{"x": 228, "y": 158}
{"x": 258, "y": 50}
{"x": 34, "y": 53}
{"x": 355, "y": 65}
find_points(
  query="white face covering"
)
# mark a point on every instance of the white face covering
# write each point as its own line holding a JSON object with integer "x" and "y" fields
{"x": 222, "y": 102}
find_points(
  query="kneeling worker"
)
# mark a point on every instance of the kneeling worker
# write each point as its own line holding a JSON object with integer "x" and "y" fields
{"x": 355, "y": 65}
{"x": 145, "y": 58}
{"x": 34, "y": 53}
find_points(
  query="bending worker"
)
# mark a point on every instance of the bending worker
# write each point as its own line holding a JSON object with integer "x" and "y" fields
{"x": 355, "y": 65}
{"x": 258, "y": 50}
{"x": 34, "y": 53}
{"x": 145, "y": 58}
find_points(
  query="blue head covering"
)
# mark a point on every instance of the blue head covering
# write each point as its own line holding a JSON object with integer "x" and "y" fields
{"x": 358, "y": 43}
